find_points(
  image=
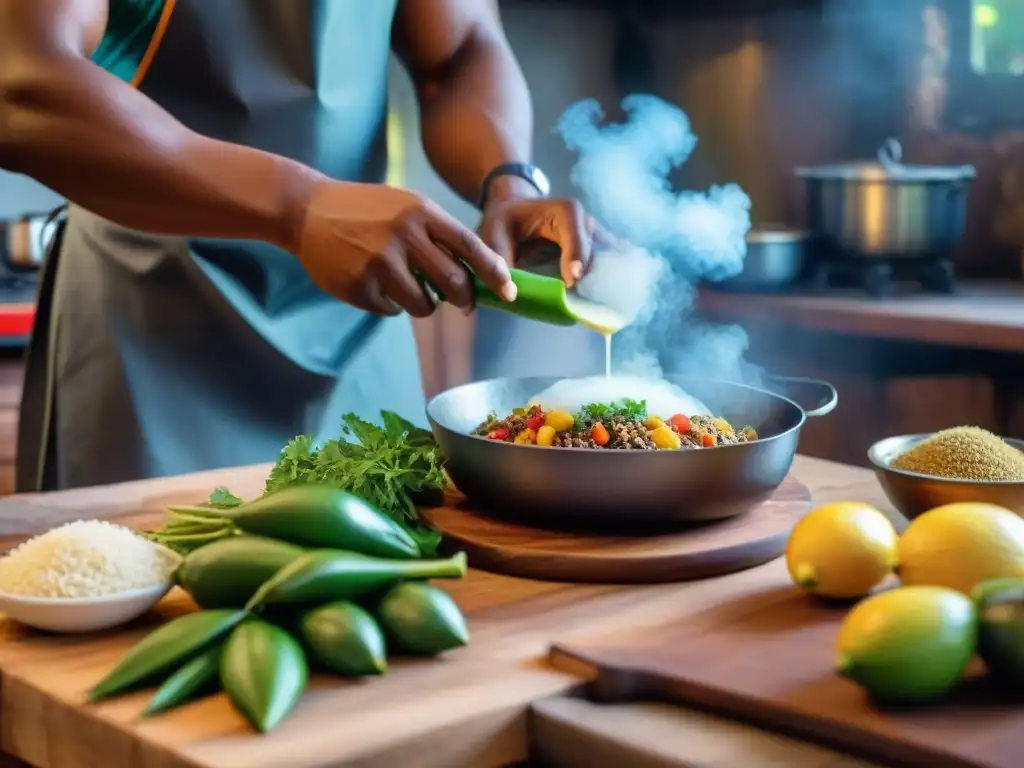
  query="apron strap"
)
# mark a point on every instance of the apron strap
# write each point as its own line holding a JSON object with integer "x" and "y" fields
{"x": 35, "y": 466}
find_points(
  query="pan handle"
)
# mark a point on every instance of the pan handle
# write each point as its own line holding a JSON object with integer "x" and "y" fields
{"x": 815, "y": 396}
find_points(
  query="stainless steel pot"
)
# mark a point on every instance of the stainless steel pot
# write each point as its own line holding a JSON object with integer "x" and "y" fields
{"x": 776, "y": 257}
{"x": 624, "y": 490}
{"x": 886, "y": 208}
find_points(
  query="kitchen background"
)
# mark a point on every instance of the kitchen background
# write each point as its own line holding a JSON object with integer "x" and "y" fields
{"x": 770, "y": 85}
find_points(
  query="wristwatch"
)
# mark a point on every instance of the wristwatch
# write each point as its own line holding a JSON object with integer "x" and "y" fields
{"x": 529, "y": 173}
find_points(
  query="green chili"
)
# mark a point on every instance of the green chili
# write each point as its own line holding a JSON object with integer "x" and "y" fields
{"x": 190, "y": 681}
{"x": 264, "y": 672}
{"x": 317, "y": 516}
{"x": 421, "y": 619}
{"x": 343, "y": 638}
{"x": 226, "y": 573}
{"x": 326, "y": 575}
{"x": 164, "y": 649}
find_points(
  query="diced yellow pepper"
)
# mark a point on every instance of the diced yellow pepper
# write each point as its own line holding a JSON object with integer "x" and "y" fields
{"x": 723, "y": 426}
{"x": 545, "y": 435}
{"x": 526, "y": 437}
{"x": 559, "y": 420}
{"x": 653, "y": 422}
{"x": 666, "y": 439}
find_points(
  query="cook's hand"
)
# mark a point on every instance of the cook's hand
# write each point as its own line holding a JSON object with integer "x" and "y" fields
{"x": 508, "y": 221}
{"x": 363, "y": 243}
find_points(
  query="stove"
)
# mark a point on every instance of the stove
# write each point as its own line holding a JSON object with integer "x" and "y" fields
{"x": 878, "y": 275}
{"x": 826, "y": 270}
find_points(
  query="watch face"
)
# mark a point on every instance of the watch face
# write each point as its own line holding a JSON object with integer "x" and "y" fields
{"x": 530, "y": 173}
{"x": 540, "y": 180}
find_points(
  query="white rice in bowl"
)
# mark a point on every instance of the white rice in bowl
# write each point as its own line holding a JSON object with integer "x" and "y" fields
{"x": 83, "y": 559}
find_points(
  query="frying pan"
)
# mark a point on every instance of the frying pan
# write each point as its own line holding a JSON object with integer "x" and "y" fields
{"x": 586, "y": 488}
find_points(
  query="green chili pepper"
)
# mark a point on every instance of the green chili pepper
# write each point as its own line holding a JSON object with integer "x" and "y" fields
{"x": 189, "y": 682}
{"x": 421, "y": 619}
{"x": 227, "y": 573}
{"x": 166, "y": 648}
{"x": 264, "y": 672}
{"x": 318, "y": 516}
{"x": 343, "y": 638}
{"x": 326, "y": 575}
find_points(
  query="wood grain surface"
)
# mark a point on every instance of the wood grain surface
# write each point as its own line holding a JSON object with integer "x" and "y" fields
{"x": 570, "y": 732}
{"x": 470, "y": 708}
{"x": 769, "y": 659}
{"x": 713, "y": 549}
{"x": 979, "y": 316}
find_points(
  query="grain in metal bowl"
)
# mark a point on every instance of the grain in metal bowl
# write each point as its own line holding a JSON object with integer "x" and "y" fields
{"x": 913, "y": 493}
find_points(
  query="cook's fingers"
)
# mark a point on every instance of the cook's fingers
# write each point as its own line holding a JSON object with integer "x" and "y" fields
{"x": 371, "y": 298}
{"x": 403, "y": 288}
{"x": 448, "y": 275}
{"x": 464, "y": 244}
{"x": 577, "y": 242}
{"x": 496, "y": 235}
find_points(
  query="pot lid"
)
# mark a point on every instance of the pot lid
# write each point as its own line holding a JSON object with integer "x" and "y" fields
{"x": 888, "y": 168}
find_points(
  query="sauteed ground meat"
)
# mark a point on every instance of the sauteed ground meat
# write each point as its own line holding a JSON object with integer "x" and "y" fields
{"x": 622, "y": 425}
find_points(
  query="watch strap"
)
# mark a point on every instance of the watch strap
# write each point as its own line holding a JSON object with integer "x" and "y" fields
{"x": 529, "y": 173}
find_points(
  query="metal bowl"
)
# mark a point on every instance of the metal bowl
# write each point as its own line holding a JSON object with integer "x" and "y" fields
{"x": 584, "y": 488}
{"x": 913, "y": 493}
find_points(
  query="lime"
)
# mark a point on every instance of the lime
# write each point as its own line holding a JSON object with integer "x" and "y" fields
{"x": 841, "y": 550}
{"x": 996, "y": 588}
{"x": 960, "y": 545}
{"x": 908, "y": 645}
{"x": 1000, "y": 604}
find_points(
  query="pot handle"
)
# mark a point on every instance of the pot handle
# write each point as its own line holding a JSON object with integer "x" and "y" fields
{"x": 890, "y": 154}
{"x": 804, "y": 391}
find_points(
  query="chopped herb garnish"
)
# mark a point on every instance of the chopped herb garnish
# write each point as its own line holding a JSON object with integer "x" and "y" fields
{"x": 630, "y": 410}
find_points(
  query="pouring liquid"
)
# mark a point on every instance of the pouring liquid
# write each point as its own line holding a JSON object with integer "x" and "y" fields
{"x": 600, "y": 318}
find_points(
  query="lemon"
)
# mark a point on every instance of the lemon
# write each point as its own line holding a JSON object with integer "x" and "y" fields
{"x": 841, "y": 550}
{"x": 909, "y": 645}
{"x": 960, "y": 545}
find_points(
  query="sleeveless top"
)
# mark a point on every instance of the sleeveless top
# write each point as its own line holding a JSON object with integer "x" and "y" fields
{"x": 162, "y": 355}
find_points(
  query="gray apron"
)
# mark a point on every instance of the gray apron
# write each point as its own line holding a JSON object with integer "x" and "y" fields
{"x": 154, "y": 356}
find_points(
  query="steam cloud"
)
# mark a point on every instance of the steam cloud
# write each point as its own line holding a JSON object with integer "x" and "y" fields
{"x": 671, "y": 239}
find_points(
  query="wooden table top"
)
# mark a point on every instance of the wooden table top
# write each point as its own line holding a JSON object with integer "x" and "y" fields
{"x": 986, "y": 316}
{"x": 469, "y": 708}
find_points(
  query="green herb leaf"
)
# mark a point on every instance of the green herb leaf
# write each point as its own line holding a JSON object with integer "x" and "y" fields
{"x": 627, "y": 409}
{"x": 388, "y": 465}
{"x": 631, "y": 410}
{"x": 223, "y": 498}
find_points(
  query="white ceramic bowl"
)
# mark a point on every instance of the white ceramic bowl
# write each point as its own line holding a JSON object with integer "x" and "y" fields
{"x": 82, "y": 614}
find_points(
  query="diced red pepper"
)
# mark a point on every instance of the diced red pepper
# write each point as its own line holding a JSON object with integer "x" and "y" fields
{"x": 680, "y": 423}
{"x": 535, "y": 420}
{"x": 708, "y": 440}
{"x": 599, "y": 434}
{"x": 498, "y": 434}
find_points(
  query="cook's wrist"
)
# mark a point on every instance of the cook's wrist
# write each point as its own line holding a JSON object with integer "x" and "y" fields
{"x": 506, "y": 188}
{"x": 513, "y": 181}
{"x": 298, "y": 184}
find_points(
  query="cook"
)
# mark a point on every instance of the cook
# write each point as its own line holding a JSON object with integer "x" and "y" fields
{"x": 224, "y": 164}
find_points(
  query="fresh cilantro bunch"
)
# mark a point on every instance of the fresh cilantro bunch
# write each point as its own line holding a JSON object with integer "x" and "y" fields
{"x": 393, "y": 467}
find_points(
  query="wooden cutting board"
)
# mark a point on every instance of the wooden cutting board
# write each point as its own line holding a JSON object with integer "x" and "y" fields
{"x": 768, "y": 659}
{"x": 713, "y": 549}
{"x": 469, "y": 708}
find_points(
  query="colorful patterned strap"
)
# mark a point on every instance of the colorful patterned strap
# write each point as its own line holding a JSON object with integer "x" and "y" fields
{"x": 135, "y": 29}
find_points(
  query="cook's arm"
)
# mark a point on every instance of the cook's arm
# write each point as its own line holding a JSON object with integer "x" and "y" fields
{"x": 474, "y": 103}
{"x": 99, "y": 142}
